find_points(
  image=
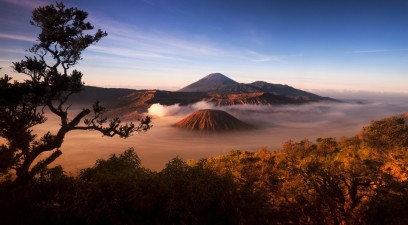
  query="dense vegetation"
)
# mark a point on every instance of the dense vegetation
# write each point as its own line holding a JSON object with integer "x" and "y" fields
{"x": 50, "y": 83}
{"x": 357, "y": 180}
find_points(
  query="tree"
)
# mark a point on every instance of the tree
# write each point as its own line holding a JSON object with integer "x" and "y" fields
{"x": 386, "y": 134}
{"x": 64, "y": 35}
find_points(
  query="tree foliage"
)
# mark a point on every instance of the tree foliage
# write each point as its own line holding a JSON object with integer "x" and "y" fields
{"x": 329, "y": 181}
{"x": 65, "y": 33}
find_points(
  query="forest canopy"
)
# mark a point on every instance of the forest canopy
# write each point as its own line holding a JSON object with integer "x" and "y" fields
{"x": 356, "y": 180}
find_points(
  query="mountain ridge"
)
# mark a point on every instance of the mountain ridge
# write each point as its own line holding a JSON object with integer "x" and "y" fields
{"x": 217, "y": 83}
{"x": 221, "y": 91}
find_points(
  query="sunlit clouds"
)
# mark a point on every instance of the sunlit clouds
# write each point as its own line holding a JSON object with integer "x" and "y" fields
{"x": 129, "y": 41}
{"x": 162, "y": 44}
{"x": 17, "y": 37}
{"x": 29, "y": 4}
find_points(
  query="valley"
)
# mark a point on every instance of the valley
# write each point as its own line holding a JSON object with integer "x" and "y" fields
{"x": 274, "y": 126}
{"x": 291, "y": 115}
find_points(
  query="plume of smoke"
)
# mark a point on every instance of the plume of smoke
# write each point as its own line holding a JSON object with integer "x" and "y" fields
{"x": 201, "y": 105}
{"x": 160, "y": 110}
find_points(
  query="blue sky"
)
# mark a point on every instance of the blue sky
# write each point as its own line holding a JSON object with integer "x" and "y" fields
{"x": 167, "y": 44}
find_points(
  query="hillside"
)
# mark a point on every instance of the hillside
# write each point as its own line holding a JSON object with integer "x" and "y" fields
{"x": 107, "y": 96}
{"x": 212, "y": 120}
{"x": 133, "y": 104}
{"x": 284, "y": 90}
{"x": 255, "y": 98}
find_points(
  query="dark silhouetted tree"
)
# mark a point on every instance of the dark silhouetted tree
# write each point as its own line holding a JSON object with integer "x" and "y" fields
{"x": 51, "y": 81}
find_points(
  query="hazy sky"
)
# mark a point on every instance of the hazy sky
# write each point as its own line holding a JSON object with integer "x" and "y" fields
{"x": 167, "y": 44}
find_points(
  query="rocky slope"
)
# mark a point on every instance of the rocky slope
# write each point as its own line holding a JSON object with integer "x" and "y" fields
{"x": 213, "y": 121}
{"x": 256, "y": 98}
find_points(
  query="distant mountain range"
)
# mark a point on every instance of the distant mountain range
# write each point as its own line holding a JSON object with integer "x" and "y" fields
{"x": 217, "y": 83}
{"x": 215, "y": 88}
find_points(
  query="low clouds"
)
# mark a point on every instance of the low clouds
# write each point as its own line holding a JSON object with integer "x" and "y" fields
{"x": 275, "y": 125}
{"x": 322, "y": 115}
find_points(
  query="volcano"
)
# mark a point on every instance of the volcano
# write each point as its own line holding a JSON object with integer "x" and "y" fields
{"x": 212, "y": 82}
{"x": 219, "y": 84}
{"x": 212, "y": 120}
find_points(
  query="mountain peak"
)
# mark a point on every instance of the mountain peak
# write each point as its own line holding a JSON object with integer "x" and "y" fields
{"x": 212, "y": 120}
{"x": 210, "y": 82}
{"x": 217, "y": 76}
{"x": 217, "y": 83}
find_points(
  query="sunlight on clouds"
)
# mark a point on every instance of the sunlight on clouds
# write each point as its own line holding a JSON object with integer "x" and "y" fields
{"x": 129, "y": 36}
{"x": 30, "y": 4}
{"x": 12, "y": 50}
{"x": 148, "y": 76}
{"x": 129, "y": 40}
{"x": 18, "y": 37}
{"x": 257, "y": 57}
{"x": 132, "y": 53}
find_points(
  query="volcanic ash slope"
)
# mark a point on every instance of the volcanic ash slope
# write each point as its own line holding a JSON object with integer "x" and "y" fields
{"x": 213, "y": 121}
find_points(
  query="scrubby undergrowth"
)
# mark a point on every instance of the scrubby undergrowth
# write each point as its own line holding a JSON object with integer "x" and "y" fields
{"x": 357, "y": 180}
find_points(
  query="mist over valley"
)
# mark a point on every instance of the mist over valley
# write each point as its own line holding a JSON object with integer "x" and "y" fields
{"x": 274, "y": 124}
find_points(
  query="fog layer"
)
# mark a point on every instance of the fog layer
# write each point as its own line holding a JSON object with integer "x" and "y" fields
{"x": 275, "y": 125}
